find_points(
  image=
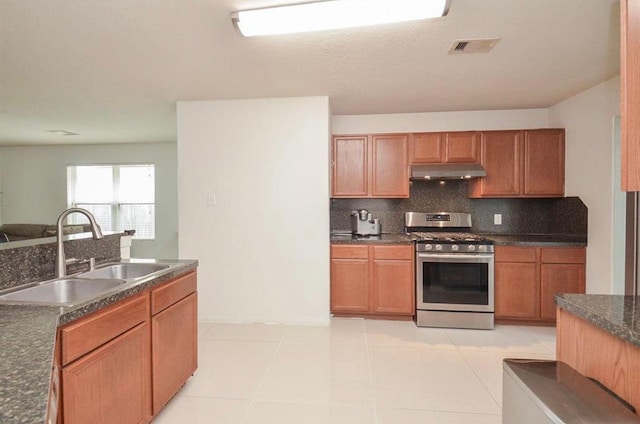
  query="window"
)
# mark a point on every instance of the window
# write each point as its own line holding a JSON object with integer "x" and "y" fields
{"x": 121, "y": 197}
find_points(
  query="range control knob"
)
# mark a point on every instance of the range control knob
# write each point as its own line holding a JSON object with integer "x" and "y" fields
{"x": 454, "y": 247}
{"x": 472, "y": 248}
{"x": 428, "y": 247}
{"x": 482, "y": 248}
{"x": 438, "y": 247}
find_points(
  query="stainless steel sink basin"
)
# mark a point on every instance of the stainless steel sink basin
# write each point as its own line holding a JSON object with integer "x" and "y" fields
{"x": 124, "y": 271}
{"x": 63, "y": 292}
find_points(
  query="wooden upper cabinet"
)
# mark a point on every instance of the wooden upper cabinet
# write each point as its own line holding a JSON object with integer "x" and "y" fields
{"x": 528, "y": 163}
{"x": 461, "y": 147}
{"x": 370, "y": 166}
{"x": 390, "y": 166}
{"x": 449, "y": 147}
{"x": 427, "y": 148}
{"x": 350, "y": 166}
{"x": 544, "y": 163}
{"x": 630, "y": 93}
{"x": 501, "y": 156}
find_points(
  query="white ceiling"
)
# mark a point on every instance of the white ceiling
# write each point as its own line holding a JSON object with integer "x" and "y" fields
{"x": 112, "y": 70}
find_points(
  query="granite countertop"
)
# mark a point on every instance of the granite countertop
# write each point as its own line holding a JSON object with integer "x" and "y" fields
{"x": 545, "y": 240}
{"x": 385, "y": 238}
{"x": 616, "y": 314}
{"x": 28, "y": 342}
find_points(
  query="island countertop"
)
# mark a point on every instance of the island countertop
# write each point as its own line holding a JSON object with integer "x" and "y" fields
{"x": 28, "y": 342}
{"x": 616, "y": 314}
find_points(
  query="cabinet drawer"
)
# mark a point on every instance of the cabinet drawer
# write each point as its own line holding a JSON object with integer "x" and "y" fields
{"x": 173, "y": 291}
{"x": 345, "y": 251}
{"x": 393, "y": 252}
{"x": 102, "y": 326}
{"x": 563, "y": 255}
{"x": 515, "y": 254}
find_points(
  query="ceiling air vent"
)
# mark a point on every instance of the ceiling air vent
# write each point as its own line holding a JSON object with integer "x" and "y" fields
{"x": 481, "y": 45}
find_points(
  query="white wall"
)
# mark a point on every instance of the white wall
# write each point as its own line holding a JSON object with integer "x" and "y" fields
{"x": 264, "y": 247}
{"x": 440, "y": 121}
{"x": 35, "y": 189}
{"x": 588, "y": 119}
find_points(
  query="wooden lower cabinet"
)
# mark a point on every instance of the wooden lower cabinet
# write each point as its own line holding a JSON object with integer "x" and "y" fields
{"x": 392, "y": 284}
{"x": 559, "y": 278}
{"x": 122, "y": 364}
{"x": 527, "y": 279}
{"x": 516, "y": 290}
{"x": 111, "y": 385}
{"x": 174, "y": 349}
{"x": 349, "y": 285}
{"x": 372, "y": 280}
{"x": 597, "y": 354}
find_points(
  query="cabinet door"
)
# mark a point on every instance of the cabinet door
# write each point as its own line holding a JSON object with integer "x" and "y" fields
{"x": 501, "y": 155}
{"x": 630, "y": 93}
{"x": 544, "y": 163}
{"x": 461, "y": 147}
{"x": 516, "y": 290}
{"x": 427, "y": 148}
{"x": 393, "y": 287}
{"x": 112, "y": 384}
{"x": 174, "y": 349}
{"x": 349, "y": 166}
{"x": 390, "y": 165}
{"x": 558, "y": 278}
{"x": 349, "y": 285}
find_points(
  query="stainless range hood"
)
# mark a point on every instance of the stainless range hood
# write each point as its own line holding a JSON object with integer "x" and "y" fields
{"x": 447, "y": 171}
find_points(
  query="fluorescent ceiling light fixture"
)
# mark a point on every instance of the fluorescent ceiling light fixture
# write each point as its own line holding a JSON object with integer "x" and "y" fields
{"x": 334, "y": 14}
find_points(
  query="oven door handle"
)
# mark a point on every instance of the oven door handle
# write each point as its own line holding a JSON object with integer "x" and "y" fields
{"x": 453, "y": 256}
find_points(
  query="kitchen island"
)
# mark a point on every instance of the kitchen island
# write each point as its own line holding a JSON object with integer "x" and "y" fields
{"x": 599, "y": 335}
{"x": 28, "y": 345}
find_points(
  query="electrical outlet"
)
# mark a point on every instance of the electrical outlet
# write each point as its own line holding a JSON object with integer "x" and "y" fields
{"x": 211, "y": 200}
{"x": 497, "y": 219}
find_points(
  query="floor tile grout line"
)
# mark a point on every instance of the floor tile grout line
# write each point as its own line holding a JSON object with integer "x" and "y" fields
{"x": 264, "y": 376}
{"x": 370, "y": 368}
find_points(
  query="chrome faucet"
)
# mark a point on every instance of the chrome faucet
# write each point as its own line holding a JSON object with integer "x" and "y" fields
{"x": 61, "y": 262}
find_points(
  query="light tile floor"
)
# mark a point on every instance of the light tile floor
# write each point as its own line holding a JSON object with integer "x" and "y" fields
{"x": 355, "y": 371}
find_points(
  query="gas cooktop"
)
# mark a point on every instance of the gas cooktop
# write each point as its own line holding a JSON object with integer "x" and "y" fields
{"x": 447, "y": 237}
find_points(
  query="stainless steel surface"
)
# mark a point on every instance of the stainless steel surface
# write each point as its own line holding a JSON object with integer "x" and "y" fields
{"x": 61, "y": 267}
{"x": 631, "y": 283}
{"x": 446, "y": 171}
{"x": 454, "y": 248}
{"x": 539, "y": 392}
{"x": 442, "y": 319}
{"x": 457, "y": 258}
{"x": 363, "y": 224}
{"x": 62, "y": 292}
{"x": 437, "y": 219}
{"x": 127, "y": 271}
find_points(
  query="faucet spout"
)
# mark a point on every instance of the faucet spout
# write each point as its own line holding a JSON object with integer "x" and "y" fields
{"x": 61, "y": 263}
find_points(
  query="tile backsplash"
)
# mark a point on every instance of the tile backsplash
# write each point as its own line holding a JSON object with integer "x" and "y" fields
{"x": 37, "y": 262}
{"x": 519, "y": 216}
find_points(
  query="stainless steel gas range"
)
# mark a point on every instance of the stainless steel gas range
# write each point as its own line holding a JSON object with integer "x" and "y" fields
{"x": 454, "y": 272}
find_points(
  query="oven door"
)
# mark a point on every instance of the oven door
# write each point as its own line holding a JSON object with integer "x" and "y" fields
{"x": 454, "y": 282}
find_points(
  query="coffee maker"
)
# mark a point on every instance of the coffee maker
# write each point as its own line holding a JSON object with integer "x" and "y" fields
{"x": 362, "y": 224}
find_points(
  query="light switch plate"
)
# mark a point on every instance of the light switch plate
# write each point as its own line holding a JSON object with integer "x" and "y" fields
{"x": 497, "y": 219}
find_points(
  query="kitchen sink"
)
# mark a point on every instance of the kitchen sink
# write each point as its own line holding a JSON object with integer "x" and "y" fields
{"x": 62, "y": 292}
{"x": 124, "y": 271}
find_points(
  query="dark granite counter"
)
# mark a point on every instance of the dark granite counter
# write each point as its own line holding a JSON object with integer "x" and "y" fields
{"x": 28, "y": 341}
{"x": 617, "y": 315}
{"x": 348, "y": 238}
{"x": 543, "y": 240}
